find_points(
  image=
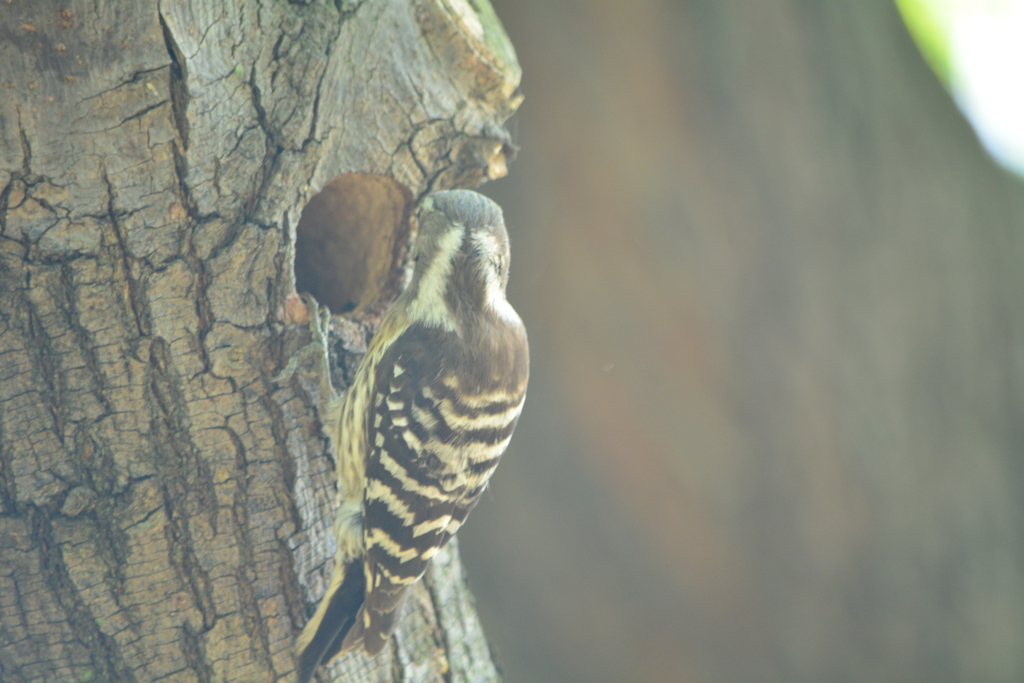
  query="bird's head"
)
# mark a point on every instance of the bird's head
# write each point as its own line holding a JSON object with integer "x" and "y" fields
{"x": 462, "y": 259}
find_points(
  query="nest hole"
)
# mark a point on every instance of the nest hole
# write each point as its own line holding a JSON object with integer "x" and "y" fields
{"x": 350, "y": 243}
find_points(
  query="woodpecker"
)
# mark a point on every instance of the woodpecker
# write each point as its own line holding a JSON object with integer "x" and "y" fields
{"x": 423, "y": 425}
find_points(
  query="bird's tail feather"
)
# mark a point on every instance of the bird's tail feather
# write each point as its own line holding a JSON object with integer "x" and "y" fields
{"x": 323, "y": 635}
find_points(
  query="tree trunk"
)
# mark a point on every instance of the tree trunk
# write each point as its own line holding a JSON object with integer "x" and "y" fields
{"x": 165, "y": 506}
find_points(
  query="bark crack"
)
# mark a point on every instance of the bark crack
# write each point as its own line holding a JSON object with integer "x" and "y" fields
{"x": 246, "y": 553}
{"x": 131, "y": 285}
{"x": 26, "y": 148}
{"x": 178, "y": 83}
{"x": 195, "y": 654}
{"x": 104, "y": 653}
{"x": 8, "y": 494}
{"x": 43, "y": 353}
{"x": 331, "y": 40}
{"x": 273, "y": 150}
{"x": 133, "y": 78}
{"x": 187, "y": 484}
{"x": 78, "y": 330}
{"x": 142, "y": 112}
{"x": 280, "y": 432}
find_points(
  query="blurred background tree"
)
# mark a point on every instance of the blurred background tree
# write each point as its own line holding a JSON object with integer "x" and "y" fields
{"x": 775, "y": 294}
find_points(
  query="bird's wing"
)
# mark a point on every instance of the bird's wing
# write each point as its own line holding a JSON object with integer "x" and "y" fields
{"x": 432, "y": 450}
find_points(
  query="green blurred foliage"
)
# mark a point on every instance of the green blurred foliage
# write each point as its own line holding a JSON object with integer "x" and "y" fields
{"x": 928, "y": 22}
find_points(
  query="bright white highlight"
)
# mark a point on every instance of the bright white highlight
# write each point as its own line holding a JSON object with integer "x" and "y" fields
{"x": 986, "y": 41}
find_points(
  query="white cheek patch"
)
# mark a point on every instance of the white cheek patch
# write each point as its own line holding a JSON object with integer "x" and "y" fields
{"x": 495, "y": 295}
{"x": 497, "y": 302}
{"x": 429, "y": 306}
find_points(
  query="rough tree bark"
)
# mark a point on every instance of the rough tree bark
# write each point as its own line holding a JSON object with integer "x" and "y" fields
{"x": 164, "y": 505}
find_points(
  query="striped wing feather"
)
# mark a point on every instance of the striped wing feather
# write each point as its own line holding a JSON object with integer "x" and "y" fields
{"x": 439, "y": 425}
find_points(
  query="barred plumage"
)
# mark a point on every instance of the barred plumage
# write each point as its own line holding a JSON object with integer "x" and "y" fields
{"x": 421, "y": 429}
